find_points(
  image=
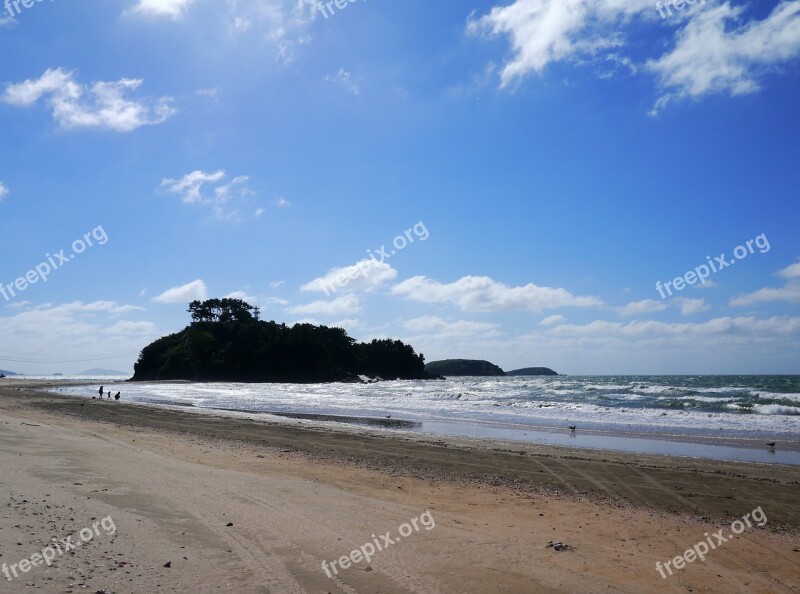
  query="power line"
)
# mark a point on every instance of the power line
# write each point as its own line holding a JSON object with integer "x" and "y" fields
{"x": 67, "y": 360}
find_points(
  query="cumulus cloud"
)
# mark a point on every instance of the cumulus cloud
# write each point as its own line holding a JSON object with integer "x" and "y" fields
{"x": 545, "y": 31}
{"x": 3, "y": 191}
{"x": 789, "y": 293}
{"x": 341, "y": 306}
{"x": 439, "y": 326}
{"x": 481, "y": 293}
{"x": 70, "y": 337}
{"x": 791, "y": 272}
{"x": 224, "y": 199}
{"x": 243, "y": 295}
{"x": 709, "y": 284}
{"x": 365, "y": 275}
{"x": 692, "y": 306}
{"x": 687, "y": 306}
{"x": 635, "y": 308}
{"x": 100, "y": 105}
{"x": 717, "y": 52}
{"x": 553, "y": 320}
{"x": 743, "y": 326}
{"x": 173, "y": 9}
{"x": 184, "y": 293}
{"x": 717, "y": 47}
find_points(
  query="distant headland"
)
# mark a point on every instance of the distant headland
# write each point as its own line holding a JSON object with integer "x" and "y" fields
{"x": 480, "y": 368}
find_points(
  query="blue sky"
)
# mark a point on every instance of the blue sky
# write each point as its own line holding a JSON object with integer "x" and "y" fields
{"x": 552, "y": 160}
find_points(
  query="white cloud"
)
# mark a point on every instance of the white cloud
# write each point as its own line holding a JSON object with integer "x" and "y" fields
{"x": 283, "y": 203}
{"x": 481, "y": 293}
{"x": 341, "y": 306}
{"x": 717, "y": 48}
{"x": 349, "y": 324}
{"x": 546, "y": 31}
{"x": 552, "y": 320}
{"x": 70, "y": 337}
{"x": 743, "y": 326}
{"x": 438, "y": 326}
{"x": 791, "y": 272}
{"x": 717, "y": 52}
{"x": 366, "y": 275}
{"x": 635, "y": 308}
{"x": 224, "y": 199}
{"x": 251, "y": 299}
{"x": 173, "y": 9}
{"x": 276, "y": 284}
{"x": 184, "y": 293}
{"x": 3, "y": 191}
{"x": 789, "y": 292}
{"x": 709, "y": 284}
{"x": 282, "y": 23}
{"x": 345, "y": 79}
{"x": 692, "y": 306}
{"x": 101, "y": 105}
{"x": 212, "y": 94}
{"x": 189, "y": 186}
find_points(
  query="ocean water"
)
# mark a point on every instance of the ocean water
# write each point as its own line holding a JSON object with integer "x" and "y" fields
{"x": 691, "y": 405}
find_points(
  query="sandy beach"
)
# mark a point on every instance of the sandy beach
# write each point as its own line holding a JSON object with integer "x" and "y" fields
{"x": 208, "y": 504}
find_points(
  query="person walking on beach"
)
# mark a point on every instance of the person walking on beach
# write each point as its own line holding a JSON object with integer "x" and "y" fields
{"x": 101, "y": 392}
{"x": 117, "y": 396}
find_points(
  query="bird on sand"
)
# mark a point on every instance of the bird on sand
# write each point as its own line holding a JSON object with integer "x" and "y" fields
{"x": 572, "y": 427}
{"x": 771, "y": 444}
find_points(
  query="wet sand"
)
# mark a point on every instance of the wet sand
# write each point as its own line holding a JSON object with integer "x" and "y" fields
{"x": 173, "y": 479}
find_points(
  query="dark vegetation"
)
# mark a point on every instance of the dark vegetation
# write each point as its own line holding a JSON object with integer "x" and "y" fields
{"x": 463, "y": 367}
{"x": 226, "y": 341}
{"x": 532, "y": 371}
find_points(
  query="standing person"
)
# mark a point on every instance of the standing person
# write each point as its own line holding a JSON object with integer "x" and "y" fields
{"x": 101, "y": 392}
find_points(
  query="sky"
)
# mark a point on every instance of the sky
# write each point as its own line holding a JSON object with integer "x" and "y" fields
{"x": 595, "y": 186}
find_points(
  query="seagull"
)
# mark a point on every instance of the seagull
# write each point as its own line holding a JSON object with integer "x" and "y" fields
{"x": 572, "y": 427}
{"x": 771, "y": 444}
{"x": 388, "y": 416}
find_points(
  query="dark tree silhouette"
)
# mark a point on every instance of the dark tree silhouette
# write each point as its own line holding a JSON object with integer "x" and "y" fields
{"x": 226, "y": 341}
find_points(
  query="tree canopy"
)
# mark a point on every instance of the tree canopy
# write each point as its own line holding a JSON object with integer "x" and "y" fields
{"x": 227, "y": 342}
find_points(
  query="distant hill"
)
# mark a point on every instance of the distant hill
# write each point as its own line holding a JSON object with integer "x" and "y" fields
{"x": 8, "y": 373}
{"x": 100, "y": 371}
{"x": 532, "y": 371}
{"x": 462, "y": 367}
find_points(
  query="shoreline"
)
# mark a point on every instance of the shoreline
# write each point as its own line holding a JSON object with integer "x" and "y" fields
{"x": 451, "y": 457}
{"x": 234, "y": 504}
{"x": 722, "y": 445}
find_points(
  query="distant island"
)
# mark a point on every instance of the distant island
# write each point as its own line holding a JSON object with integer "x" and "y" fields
{"x": 532, "y": 371}
{"x": 101, "y": 371}
{"x": 478, "y": 367}
{"x": 463, "y": 367}
{"x": 226, "y": 341}
{"x": 5, "y": 372}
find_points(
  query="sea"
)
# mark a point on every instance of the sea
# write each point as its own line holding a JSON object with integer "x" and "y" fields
{"x": 721, "y": 417}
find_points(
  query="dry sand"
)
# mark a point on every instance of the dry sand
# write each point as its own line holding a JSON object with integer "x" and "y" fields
{"x": 172, "y": 481}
